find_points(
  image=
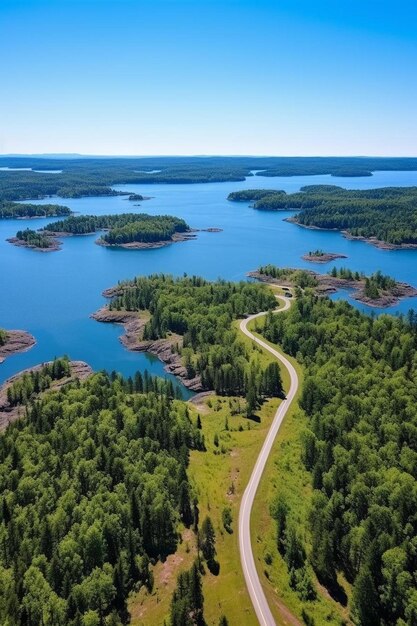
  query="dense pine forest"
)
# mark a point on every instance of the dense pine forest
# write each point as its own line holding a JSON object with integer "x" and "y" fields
{"x": 388, "y": 213}
{"x": 361, "y": 448}
{"x": 202, "y": 313}
{"x": 9, "y": 210}
{"x": 93, "y": 487}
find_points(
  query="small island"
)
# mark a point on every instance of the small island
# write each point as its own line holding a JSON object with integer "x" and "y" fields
{"x": 13, "y": 342}
{"x": 376, "y": 290}
{"x": 136, "y": 196}
{"x": 319, "y": 256}
{"x": 35, "y": 240}
{"x": 19, "y": 390}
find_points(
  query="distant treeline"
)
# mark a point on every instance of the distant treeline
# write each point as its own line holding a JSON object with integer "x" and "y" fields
{"x": 202, "y": 313}
{"x": 10, "y": 210}
{"x": 96, "y": 176}
{"x": 248, "y": 195}
{"x": 360, "y": 447}
{"x": 93, "y": 485}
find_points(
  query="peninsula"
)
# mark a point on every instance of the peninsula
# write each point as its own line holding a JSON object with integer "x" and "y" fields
{"x": 376, "y": 290}
{"x": 385, "y": 217}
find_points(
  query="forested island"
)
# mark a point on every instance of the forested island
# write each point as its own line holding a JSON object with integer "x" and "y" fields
{"x": 127, "y": 230}
{"x": 359, "y": 447}
{"x": 15, "y": 210}
{"x": 14, "y": 341}
{"x": 386, "y": 216}
{"x": 319, "y": 256}
{"x": 187, "y": 323}
{"x": 35, "y": 240}
{"x": 376, "y": 290}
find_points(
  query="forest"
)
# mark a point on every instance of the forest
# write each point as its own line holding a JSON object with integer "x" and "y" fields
{"x": 360, "y": 448}
{"x": 202, "y": 313}
{"x": 387, "y": 213}
{"x": 9, "y": 210}
{"x": 94, "y": 486}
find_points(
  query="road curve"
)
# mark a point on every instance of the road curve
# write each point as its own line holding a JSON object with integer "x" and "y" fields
{"x": 253, "y": 583}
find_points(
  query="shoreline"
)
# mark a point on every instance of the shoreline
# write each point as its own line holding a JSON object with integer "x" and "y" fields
{"x": 79, "y": 370}
{"x": 17, "y": 341}
{"x": 328, "y": 284}
{"x": 148, "y": 245}
{"x": 378, "y": 243}
{"x": 20, "y": 243}
{"x": 164, "y": 349}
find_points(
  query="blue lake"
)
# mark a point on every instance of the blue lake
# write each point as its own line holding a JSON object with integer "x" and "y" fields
{"x": 52, "y": 294}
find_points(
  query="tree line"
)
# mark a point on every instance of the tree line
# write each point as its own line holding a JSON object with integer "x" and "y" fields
{"x": 361, "y": 451}
{"x": 9, "y": 210}
{"x": 34, "y": 382}
{"x": 93, "y": 485}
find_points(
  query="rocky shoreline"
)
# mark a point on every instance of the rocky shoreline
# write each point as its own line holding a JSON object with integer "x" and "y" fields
{"x": 328, "y": 284}
{"x": 8, "y": 414}
{"x": 17, "y": 341}
{"x": 54, "y": 246}
{"x": 164, "y": 349}
{"x": 378, "y": 243}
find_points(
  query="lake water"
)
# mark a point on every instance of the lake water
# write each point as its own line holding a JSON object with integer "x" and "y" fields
{"x": 52, "y": 294}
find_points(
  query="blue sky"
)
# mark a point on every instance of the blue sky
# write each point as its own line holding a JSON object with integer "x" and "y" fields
{"x": 284, "y": 77}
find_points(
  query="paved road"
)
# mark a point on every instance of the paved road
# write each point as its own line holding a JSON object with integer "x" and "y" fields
{"x": 253, "y": 583}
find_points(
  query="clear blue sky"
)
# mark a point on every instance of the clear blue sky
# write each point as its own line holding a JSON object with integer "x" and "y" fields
{"x": 284, "y": 77}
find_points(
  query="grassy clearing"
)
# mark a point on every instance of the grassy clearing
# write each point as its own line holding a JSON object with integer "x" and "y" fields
{"x": 219, "y": 477}
{"x": 285, "y": 474}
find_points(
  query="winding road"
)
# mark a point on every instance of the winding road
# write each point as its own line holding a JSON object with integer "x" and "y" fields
{"x": 253, "y": 583}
